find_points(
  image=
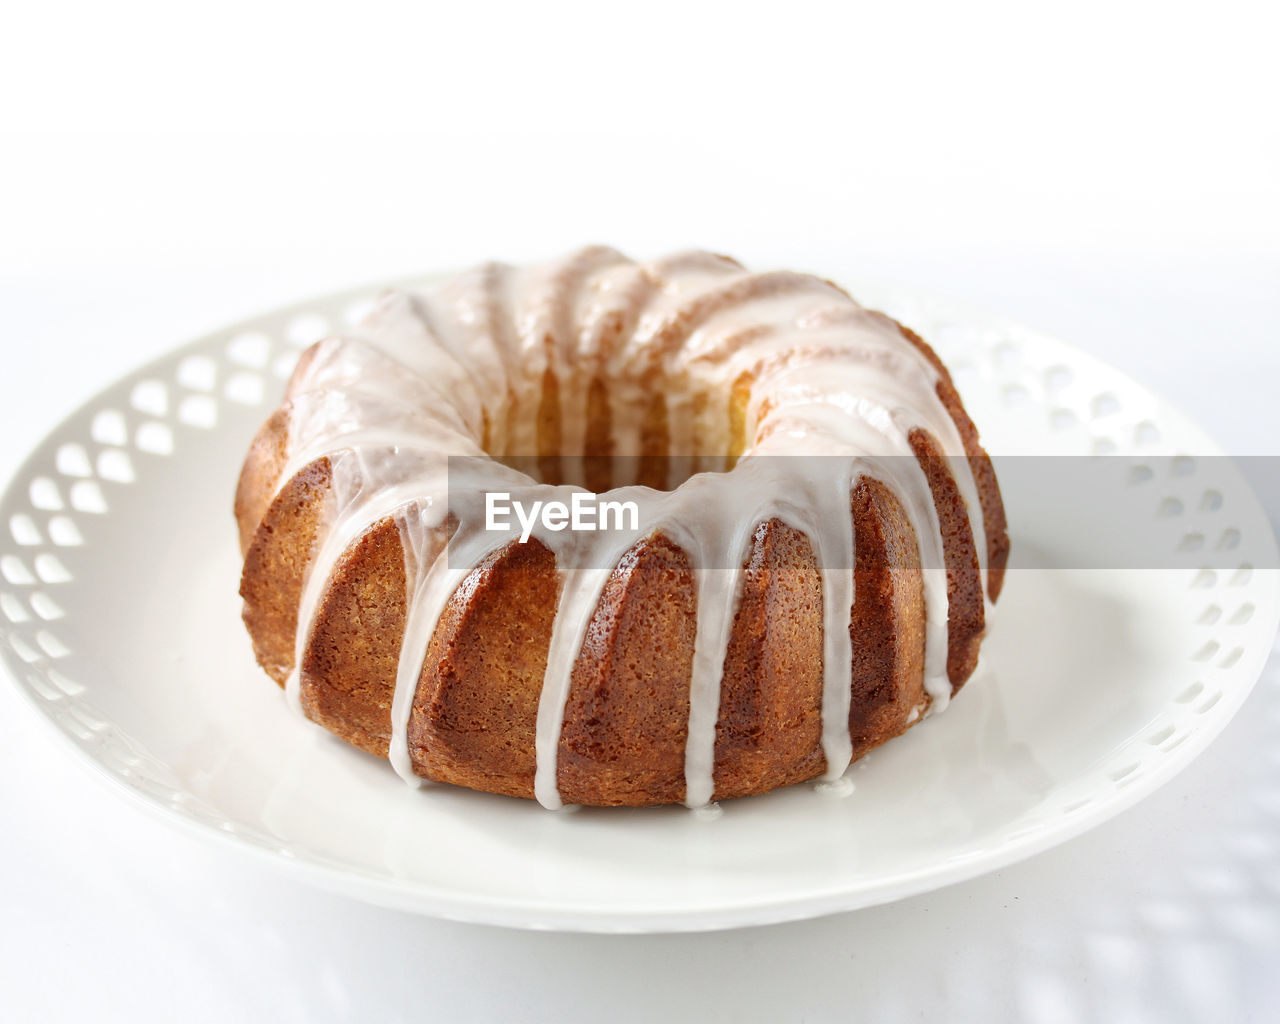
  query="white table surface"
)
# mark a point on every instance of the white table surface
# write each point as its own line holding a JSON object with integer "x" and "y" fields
{"x": 1094, "y": 184}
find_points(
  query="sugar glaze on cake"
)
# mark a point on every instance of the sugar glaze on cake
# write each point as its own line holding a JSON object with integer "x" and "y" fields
{"x": 755, "y": 409}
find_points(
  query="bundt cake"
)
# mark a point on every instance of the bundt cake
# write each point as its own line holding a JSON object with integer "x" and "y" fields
{"x": 815, "y": 535}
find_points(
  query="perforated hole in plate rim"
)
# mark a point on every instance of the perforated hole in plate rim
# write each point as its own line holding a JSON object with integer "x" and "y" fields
{"x": 64, "y": 532}
{"x": 249, "y": 348}
{"x": 73, "y": 460}
{"x": 198, "y": 411}
{"x": 198, "y": 372}
{"x": 23, "y": 530}
{"x": 155, "y": 438}
{"x": 114, "y": 464}
{"x": 50, "y": 569}
{"x": 110, "y": 427}
{"x": 45, "y": 606}
{"x": 151, "y": 397}
{"x": 86, "y": 496}
{"x": 12, "y": 608}
{"x": 245, "y": 388}
{"x": 45, "y": 494}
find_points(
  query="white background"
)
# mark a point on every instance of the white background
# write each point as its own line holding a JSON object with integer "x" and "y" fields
{"x": 1105, "y": 172}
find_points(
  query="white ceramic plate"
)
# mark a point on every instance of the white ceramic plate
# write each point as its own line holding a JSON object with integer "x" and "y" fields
{"x": 119, "y": 621}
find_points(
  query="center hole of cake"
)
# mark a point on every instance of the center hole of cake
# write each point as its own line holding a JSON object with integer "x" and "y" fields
{"x": 651, "y": 434}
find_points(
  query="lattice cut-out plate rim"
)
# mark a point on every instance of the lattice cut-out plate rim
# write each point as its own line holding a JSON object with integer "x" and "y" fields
{"x": 1087, "y": 408}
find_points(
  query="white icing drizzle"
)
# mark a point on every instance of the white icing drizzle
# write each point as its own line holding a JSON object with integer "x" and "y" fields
{"x": 435, "y": 373}
{"x": 427, "y": 578}
{"x": 579, "y": 592}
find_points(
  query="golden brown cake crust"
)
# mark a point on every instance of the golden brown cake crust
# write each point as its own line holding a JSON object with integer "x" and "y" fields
{"x": 966, "y": 615}
{"x": 268, "y": 456}
{"x": 349, "y": 669}
{"x": 994, "y": 523}
{"x": 886, "y": 628}
{"x": 275, "y": 566}
{"x": 769, "y": 728}
{"x": 475, "y": 711}
{"x": 626, "y": 718}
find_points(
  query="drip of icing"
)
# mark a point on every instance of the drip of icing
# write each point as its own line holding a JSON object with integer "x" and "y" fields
{"x": 580, "y": 589}
{"x": 427, "y": 576}
{"x": 432, "y": 373}
{"x": 716, "y": 552}
{"x": 834, "y": 537}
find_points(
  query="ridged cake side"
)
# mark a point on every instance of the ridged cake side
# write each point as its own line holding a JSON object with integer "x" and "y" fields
{"x": 471, "y": 713}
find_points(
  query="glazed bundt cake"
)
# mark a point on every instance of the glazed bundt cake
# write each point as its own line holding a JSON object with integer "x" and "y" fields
{"x": 814, "y": 542}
